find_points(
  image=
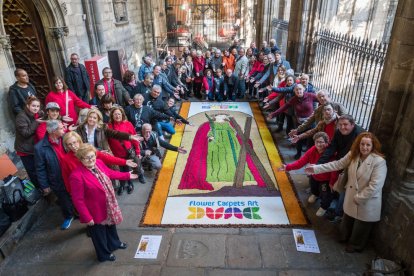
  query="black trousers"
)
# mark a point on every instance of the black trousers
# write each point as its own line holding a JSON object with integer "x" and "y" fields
{"x": 322, "y": 190}
{"x": 29, "y": 164}
{"x": 355, "y": 231}
{"x": 105, "y": 240}
{"x": 65, "y": 203}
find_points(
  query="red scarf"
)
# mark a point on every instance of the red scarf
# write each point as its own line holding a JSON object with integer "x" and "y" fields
{"x": 112, "y": 88}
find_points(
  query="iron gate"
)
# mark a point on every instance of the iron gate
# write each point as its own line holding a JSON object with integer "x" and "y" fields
{"x": 350, "y": 68}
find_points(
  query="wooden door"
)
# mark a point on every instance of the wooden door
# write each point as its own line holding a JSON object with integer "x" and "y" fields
{"x": 29, "y": 48}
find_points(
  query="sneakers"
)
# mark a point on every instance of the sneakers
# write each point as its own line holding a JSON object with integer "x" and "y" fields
{"x": 320, "y": 212}
{"x": 66, "y": 223}
{"x": 312, "y": 198}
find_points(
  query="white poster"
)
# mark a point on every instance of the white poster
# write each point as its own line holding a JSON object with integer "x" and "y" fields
{"x": 306, "y": 240}
{"x": 199, "y": 107}
{"x": 148, "y": 247}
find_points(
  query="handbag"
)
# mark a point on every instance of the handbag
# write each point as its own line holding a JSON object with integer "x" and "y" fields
{"x": 16, "y": 208}
{"x": 11, "y": 183}
{"x": 340, "y": 184}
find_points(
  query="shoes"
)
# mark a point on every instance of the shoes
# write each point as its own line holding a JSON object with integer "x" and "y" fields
{"x": 130, "y": 188}
{"x": 120, "y": 190}
{"x": 123, "y": 245}
{"x": 66, "y": 223}
{"x": 141, "y": 178}
{"x": 335, "y": 219}
{"x": 320, "y": 212}
{"x": 312, "y": 198}
{"x": 111, "y": 258}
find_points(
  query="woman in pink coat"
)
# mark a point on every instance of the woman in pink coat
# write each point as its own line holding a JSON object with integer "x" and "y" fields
{"x": 94, "y": 198}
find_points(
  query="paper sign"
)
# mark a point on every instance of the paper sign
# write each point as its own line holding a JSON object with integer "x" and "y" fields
{"x": 305, "y": 240}
{"x": 148, "y": 247}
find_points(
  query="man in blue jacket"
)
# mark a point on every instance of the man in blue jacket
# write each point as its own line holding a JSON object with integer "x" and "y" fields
{"x": 49, "y": 153}
{"x": 77, "y": 79}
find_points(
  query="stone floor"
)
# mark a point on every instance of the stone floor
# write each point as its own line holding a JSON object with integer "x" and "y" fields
{"x": 47, "y": 250}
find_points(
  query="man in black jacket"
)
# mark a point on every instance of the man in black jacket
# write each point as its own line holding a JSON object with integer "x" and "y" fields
{"x": 138, "y": 114}
{"x": 20, "y": 91}
{"x": 77, "y": 79}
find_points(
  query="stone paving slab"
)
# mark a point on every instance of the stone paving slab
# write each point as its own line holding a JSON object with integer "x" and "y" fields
{"x": 243, "y": 252}
{"x": 205, "y": 230}
{"x": 191, "y": 250}
{"x": 272, "y": 252}
{"x": 227, "y": 272}
{"x": 178, "y": 271}
{"x": 316, "y": 273}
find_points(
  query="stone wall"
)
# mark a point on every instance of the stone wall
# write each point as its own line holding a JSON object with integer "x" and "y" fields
{"x": 393, "y": 122}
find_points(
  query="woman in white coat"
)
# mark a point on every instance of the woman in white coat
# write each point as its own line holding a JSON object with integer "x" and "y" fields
{"x": 366, "y": 170}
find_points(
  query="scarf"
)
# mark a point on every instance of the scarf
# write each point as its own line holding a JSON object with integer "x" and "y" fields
{"x": 114, "y": 215}
{"x": 110, "y": 89}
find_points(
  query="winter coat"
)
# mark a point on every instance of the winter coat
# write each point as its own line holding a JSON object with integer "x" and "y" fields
{"x": 18, "y": 96}
{"x": 363, "y": 194}
{"x": 88, "y": 195}
{"x": 26, "y": 126}
{"x": 79, "y": 84}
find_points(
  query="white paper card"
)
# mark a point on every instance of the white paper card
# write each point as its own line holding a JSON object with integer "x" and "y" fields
{"x": 148, "y": 247}
{"x": 306, "y": 240}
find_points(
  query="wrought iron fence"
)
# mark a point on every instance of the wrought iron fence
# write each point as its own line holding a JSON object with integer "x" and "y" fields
{"x": 350, "y": 68}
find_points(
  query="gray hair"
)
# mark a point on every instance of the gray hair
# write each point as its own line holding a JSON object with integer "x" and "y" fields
{"x": 145, "y": 126}
{"x": 52, "y": 125}
{"x": 324, "y": 91}
{"x": 148, "y": 75}
{"x": 138, "y": 96}
{"x": 156, "y": 87}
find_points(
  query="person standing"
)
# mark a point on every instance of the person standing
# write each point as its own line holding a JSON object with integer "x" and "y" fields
{"x": 20, "y": 91}
{"x": 367, "y": 170}
{"x": 27, "y": 121}
{"x": 77, "y": 79}
{"x": 94, "y": 198}
{"x": 114, "y": 87}
{"x": 49, "y": 154}
{"x": 241, "y": 70}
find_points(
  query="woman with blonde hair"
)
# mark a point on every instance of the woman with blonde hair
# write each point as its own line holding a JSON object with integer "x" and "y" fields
{"x": 94, "y": 198}
{"x": 366, "y": 171}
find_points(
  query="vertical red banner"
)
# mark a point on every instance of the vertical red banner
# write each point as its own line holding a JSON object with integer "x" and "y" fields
{"x": 94, "y": 68}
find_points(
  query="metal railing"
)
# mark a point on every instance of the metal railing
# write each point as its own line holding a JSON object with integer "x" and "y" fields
{"x": 350, "y": 68}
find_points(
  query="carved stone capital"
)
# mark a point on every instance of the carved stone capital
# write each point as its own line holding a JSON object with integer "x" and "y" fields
{"x": 5, "y": 42}
{"x": 59, "y": 32}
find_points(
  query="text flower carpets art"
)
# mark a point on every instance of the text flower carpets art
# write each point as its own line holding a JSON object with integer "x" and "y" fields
{"x": 229, "y": 175}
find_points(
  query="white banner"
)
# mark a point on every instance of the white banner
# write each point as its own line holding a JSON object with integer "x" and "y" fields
{"x": 199, "y": 107}
{"x": 224, "y": 210}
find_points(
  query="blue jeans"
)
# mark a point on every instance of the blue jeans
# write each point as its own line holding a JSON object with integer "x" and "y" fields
{"x": 166, "y": 126}
{"x": 241, "y": 85}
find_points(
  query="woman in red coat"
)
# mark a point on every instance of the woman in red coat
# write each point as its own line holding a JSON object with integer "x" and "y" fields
{"x": 124, "y": 149}
{"x": 66, "y": 99}
{"x": 94, "y": 198}
{"x": 72, "y": 142}
{"x": 198, "y": 63}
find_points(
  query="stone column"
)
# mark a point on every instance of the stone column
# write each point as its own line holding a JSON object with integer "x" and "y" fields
{"x": 393, "y": 121}
{"x": 58, "y": 33}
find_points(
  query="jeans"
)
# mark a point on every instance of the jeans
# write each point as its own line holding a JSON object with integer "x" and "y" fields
{"x": 166, "y": 126}
{"x": 241, "y": 87}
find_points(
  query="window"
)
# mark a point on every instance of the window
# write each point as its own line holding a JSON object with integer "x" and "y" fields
{"x": 120, "y": 11}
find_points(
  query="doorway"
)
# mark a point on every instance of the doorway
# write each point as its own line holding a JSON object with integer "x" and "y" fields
{"x": 27, "y": 38}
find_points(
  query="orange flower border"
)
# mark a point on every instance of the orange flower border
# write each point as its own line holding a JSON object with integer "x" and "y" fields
{"x": 156, "y": 203}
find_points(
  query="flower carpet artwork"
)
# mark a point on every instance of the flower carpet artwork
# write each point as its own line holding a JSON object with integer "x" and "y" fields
{"x": 229, "y": 175}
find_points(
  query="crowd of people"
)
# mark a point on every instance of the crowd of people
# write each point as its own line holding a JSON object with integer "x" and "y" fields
{"x": 86, "y": 147}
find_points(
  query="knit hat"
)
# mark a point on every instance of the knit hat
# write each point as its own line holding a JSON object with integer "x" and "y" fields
{"x": 52, "y": 105}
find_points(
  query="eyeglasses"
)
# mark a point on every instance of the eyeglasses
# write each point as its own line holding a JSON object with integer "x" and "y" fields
{"x": 89, "y": 158}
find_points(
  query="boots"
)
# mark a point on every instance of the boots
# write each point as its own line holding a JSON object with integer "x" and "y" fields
{"x": 121, "y": 188}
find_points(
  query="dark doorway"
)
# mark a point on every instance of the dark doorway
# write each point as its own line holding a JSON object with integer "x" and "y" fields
{"x": 29, "y": 48}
